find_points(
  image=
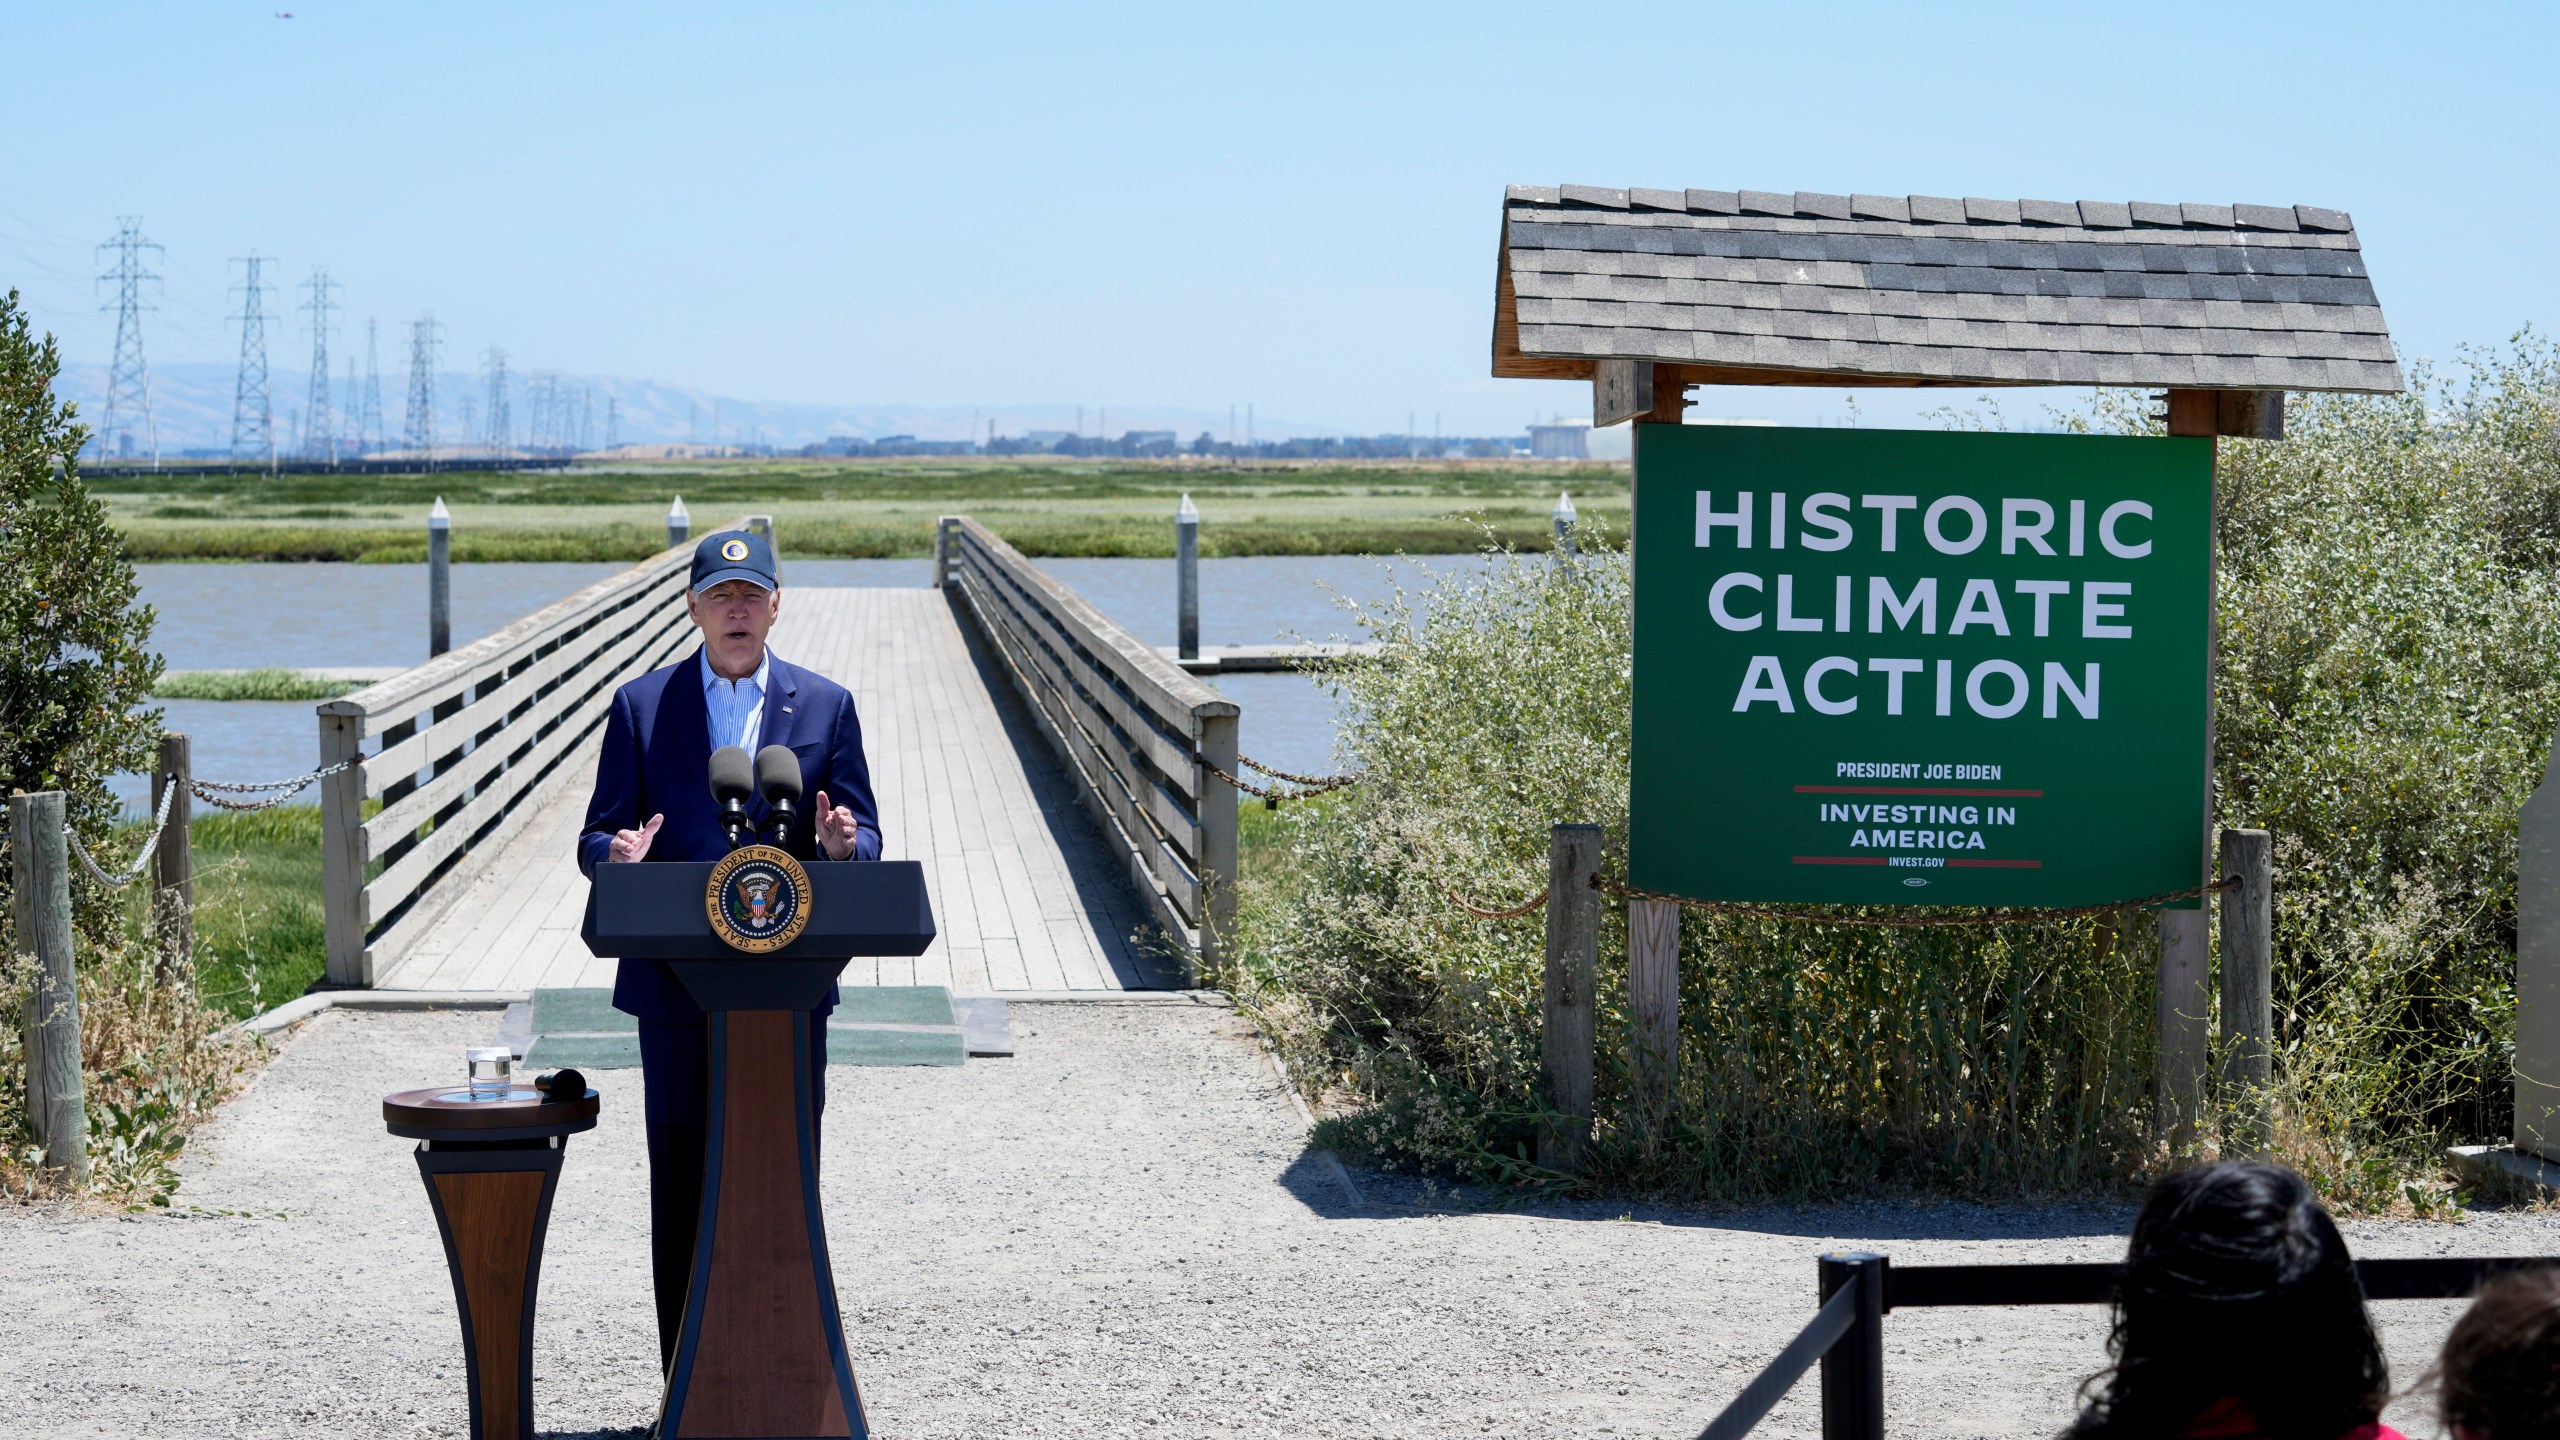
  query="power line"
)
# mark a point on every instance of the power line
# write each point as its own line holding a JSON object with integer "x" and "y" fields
{"x": 493, "y": 362}
{"x": 319, "y": 417}
{"x": 253, "y": 428}
{"x": 352, "y": 436}
{"x": 370, "y": 436}
{"x": 128, "y": 379}
{"x": 426, "y": 345}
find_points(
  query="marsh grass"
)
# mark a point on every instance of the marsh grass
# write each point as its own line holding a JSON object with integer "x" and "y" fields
{"x": 2389, "y": 685}
{"x": 854, "y": 511}
{"x": 272, "y": 684}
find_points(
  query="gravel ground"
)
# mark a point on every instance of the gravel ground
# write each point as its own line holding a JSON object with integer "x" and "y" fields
{"x": 1114, "y": 1233}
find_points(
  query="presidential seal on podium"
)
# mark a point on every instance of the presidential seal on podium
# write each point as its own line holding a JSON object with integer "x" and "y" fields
{"x": 758, "y": 899}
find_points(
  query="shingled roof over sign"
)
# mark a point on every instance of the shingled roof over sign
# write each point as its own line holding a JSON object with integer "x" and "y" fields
{"x": 1752, "y": 287}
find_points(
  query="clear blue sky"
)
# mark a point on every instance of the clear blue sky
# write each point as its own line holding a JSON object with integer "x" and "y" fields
{"x": 1183, "y": 204}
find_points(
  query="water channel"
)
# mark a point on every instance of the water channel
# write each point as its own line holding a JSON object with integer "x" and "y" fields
{"x": 216, "y": 616}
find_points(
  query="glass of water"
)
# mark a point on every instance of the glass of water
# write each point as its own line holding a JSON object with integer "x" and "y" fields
{"x": 491, "y": 1069}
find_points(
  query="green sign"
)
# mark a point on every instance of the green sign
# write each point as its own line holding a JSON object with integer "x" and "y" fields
{"x": 1906, "y": 667}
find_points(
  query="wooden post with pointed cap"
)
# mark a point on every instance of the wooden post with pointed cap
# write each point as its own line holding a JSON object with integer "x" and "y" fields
{"x": 1186, "y": 564}
{"x": 679, "y": 523}
{"x": 439, "y": 579}
{"x": 1563, "y": 518}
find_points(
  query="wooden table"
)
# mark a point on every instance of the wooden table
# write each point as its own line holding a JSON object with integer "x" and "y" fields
{"x": 490, "y": 1167}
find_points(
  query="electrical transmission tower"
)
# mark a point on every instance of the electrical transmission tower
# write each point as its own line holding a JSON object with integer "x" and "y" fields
{"x": 351, "y": 437}
{"x": 586, "y": 419}
{"x": 426, "y": 346}
{"x": 612, "y": 422}
{"x": 128, "y": 380}
{"x": 319, "y": 417}
{"x": 253, "y": 423}
{"x": 369, "y": 434}
{"x": 494, "y": 361}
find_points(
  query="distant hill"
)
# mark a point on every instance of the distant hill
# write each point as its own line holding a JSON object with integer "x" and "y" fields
{"x": 192, "y": 403}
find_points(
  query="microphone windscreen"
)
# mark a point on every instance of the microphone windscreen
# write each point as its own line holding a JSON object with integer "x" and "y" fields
{"x": 778, "y": 773}
{"x": 733, "y": 776}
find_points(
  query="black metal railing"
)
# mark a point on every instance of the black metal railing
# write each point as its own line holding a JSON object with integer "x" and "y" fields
{"x": 1857, "y": 1290}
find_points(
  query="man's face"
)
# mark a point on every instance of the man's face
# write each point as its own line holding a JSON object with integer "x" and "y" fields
{"x": 734, "y": 617}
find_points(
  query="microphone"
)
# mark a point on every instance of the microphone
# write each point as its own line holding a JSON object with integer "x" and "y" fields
{"x": 733, "y": 779}
{"x": 778, "y": 777}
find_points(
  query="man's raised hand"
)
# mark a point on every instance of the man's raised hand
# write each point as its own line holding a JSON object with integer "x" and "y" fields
{"x": 838, "y": 831}
{"x": 634, "y": 844}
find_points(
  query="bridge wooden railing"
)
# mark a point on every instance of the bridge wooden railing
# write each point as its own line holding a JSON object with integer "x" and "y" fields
{"x": 467, "y": 746}
{"x": 1133, "y": 728}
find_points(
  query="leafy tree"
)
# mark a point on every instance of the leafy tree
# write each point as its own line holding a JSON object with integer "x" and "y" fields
{"x": 76, "y": 669}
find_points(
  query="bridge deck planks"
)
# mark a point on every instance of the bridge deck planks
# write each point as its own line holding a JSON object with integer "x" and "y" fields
{"x": 1025, "y": 894}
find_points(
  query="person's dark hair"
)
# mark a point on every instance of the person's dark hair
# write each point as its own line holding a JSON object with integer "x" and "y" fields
{"x": 2500, "y": 1375}
{"x": 2237, "y": 1288}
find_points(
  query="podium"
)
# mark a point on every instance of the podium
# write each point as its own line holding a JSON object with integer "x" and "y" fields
{"x": 761, "y": 1352}
{"x": 490, "y": 1166}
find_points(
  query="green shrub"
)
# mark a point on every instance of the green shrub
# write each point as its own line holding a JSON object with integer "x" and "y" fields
{"x": 76, "y": 671}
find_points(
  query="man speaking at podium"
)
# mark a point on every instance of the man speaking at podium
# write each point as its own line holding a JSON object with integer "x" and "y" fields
{"x": 653, "y": 802}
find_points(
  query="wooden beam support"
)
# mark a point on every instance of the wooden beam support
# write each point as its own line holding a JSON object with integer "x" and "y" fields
{"x": 2193, "y": 412}
{"x": 2249, "y": 414}
{"x": 2185, "y": 998}
{"x": 1621, "y": 390}
{"x": 2240, "y": 414}
{"x": 1670, "y": 399}
{"x": 1567, "y": 1035}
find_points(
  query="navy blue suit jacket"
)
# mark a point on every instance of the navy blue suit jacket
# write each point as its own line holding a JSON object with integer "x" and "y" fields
{"x": 657, "y": 761}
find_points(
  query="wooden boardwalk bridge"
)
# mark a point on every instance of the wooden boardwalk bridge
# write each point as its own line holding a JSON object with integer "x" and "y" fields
{"x": 1055, "y": 776}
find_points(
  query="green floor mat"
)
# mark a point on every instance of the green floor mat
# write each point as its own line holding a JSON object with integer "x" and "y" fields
{"x": 846, "y": 1045}
{"x": 580, "y": 1027}
{"x": 584, "y": 1052}
{"x": 892, "y": 1005}
{"x": 588, "y": 1011}
{"x": 854, "y": 1045}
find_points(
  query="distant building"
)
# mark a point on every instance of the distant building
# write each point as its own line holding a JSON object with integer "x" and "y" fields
{"x": 1044, "y": 439}
{"x": 1560, "y": 442}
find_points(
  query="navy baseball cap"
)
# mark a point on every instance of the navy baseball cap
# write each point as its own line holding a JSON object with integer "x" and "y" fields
{"x": 734, "y": 555}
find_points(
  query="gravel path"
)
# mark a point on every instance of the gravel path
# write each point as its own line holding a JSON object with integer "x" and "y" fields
{"x": 1113, "y": 1233}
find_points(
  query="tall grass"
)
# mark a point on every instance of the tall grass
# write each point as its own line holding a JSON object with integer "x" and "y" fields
{"x": 269, "y": 684}
{"x": 1038, "y": 534}
{"x": 2389, "y": 684}
{"x": 260, "y": 936}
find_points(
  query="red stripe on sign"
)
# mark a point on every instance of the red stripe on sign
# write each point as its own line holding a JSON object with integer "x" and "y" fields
{"x": 1839, "y": 859}
{"x": 1908, "y": 790}
{"x": 1999, "y": 864}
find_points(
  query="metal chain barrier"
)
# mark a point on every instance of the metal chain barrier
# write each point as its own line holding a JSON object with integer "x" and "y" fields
{"x": 1746, "y": 911}
{"x": 1273, "y": 795}
{"x": 159, "y": 825}
{"x": 211, "y": 792}
{"x": 277, "y": 791}
{"x": 1316, "y": 784}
